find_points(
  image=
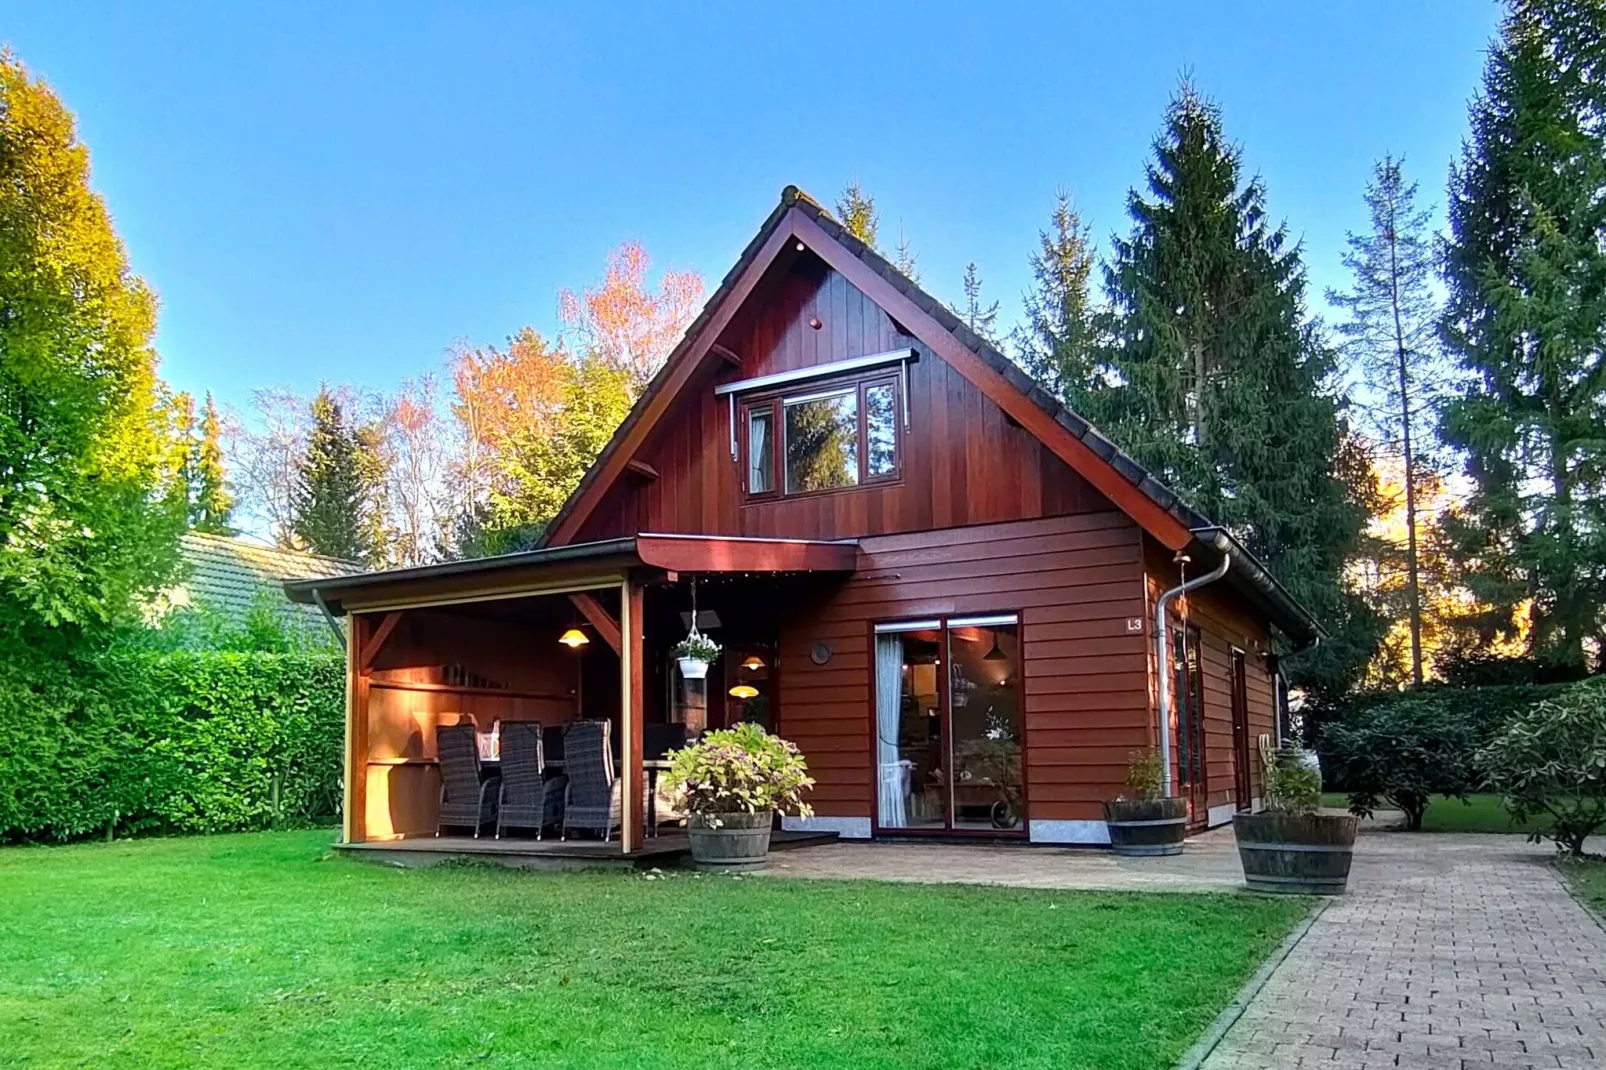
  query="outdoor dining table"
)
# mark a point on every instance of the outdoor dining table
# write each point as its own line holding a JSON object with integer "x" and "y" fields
{"x": 652, "y": 766}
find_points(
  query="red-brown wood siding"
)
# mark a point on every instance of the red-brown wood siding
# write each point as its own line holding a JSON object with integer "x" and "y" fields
{"x": 964, "y": 461}
{"x": 1075, "y": 581}
{"x": 1223, "y": 623}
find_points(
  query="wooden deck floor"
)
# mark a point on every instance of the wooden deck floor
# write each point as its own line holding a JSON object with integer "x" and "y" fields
{"x": 666, "y": 850}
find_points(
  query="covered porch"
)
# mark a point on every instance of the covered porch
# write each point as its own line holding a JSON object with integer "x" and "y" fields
{"x": 580, "y": 633}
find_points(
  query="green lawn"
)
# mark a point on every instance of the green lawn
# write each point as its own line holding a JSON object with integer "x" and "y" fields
{"x": 1588, "y": 877}
{"x": 262, "y": 950}
{"x": 1482, "y": 813}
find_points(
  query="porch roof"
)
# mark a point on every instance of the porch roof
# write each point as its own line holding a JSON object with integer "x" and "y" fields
{"x": 571, "y": 567}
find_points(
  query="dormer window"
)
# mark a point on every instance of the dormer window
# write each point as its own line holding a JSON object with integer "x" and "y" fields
{"x": 823, "y": 437}
{"x": 812, "y": 432}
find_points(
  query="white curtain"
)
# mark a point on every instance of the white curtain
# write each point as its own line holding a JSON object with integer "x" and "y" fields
{"x": 889, "y": 695}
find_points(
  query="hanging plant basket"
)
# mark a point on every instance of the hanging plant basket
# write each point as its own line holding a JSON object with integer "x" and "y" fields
{"x": 696, "y": 652}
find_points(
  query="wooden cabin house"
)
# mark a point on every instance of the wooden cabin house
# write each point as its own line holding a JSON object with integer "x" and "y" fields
{"x": 935, "y": 579}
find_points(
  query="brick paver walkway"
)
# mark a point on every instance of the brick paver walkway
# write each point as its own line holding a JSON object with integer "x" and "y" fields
{"x": 1449, "y": 952}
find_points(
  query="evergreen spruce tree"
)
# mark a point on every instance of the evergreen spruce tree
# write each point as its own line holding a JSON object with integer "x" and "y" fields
{"x": 857, "y": 213}
{"x": 213, "y": 502}
{"x": 905, "y": 258}
{"x": 1526, "y": 319}
{"x": 1055, "y": 344}
{"x": 978, "y": 316}
{"x": 1215, "y": 378}
{"x": 1391, "y": 337}
{"x": 329, "y": 502}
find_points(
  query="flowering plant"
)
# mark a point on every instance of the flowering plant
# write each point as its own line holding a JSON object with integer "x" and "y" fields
{"x": 741, "y": 770}
{"x": 697, "y": 645}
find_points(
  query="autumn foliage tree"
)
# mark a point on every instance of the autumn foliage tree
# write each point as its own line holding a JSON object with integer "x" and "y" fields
{"x": 624, "y": 322}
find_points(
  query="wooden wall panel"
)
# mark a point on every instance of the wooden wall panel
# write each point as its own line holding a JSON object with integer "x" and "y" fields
{"x": 964, "y": 461}
{"x": 416, "y": 686}
{"x": 1224, "y": 622}
{"x": 1085, "y": 677}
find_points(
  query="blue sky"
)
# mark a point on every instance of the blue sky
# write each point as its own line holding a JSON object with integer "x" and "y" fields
{"x": 342, "y": 191}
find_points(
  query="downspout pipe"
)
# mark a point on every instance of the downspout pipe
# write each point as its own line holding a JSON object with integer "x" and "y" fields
{"x": 1162, "y": 651}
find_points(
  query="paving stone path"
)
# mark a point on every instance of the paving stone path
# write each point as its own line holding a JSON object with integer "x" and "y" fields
{"x": 1455, "y": 952}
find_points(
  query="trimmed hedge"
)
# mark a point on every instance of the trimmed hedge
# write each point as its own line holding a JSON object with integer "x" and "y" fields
{"x": 188, "y": 741}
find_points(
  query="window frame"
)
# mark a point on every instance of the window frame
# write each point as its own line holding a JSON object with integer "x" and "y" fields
{"x": 774, "y": 402}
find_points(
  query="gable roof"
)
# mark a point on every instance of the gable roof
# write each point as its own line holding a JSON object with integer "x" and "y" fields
{"x": 229, "y": 575}
{"x": 1135, "y": 490}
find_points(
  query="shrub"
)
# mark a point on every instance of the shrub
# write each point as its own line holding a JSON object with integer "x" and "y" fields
{"x": 741, "y": 770}
{"x": 1145, "y": 775}
{"x": 1404, "y": 751}
{"x": 187, "y": 741}
{"x": 1292, "y": 787}
{"x": 1551, "y": 759}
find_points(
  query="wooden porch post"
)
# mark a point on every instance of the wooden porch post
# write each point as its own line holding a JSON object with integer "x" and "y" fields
{"x": 632, "y": 713}
{"x": 355, "y": 804}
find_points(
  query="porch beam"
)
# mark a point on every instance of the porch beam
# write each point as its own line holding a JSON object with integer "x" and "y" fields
{"x": 376, "y": 642}
{"x": 598, "y": 617}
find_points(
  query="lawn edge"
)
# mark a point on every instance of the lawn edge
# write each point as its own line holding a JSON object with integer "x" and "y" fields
{"x": 1196, "y": 1055}
{"x": 1567, "y": 883}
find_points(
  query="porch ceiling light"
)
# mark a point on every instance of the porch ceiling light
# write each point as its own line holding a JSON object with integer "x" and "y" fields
{"x": 753, "y": 664}
{"x": 744, "y": 691}
{"x": 574, "y": 638}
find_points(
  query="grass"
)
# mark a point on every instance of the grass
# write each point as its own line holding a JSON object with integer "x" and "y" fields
{"x": 262, "y": 950}
{"x": 1481, "y": 813}
{"x": 1588, "y": 877}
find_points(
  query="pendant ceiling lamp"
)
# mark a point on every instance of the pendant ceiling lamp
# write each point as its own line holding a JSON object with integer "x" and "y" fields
{"x": 744, "y": 691}
{"x": 753, "y": 664}
{"x": 995, "y": 654}
{"x": 574, "y": 639}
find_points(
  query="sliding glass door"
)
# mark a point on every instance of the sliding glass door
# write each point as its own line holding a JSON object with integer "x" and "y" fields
{"x": 950, "y": 730}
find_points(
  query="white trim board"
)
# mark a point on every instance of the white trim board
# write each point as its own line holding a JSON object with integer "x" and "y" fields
{"x": 1087, "y": 832}
{"x": 849, "y": 828}
{"x": 1221, "y": 815}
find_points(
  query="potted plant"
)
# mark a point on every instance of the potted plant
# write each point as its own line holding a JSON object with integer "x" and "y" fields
{"x": 696, "y": 653}
{"x": 732, "y": 783}
{"x": 1292, "y": 846}
{"x": 1146, "y": 823}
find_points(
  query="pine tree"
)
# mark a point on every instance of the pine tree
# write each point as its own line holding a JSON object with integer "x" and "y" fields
{"x": 979, "y": 317}
{"x": 1055, "y": 344}
{"x": 331, "y": 497}
{"x": 213, "y": 502}
{"x": 1526, "y": 319}
{"x": 857, "y": 213}
{"x": 1391, "y": 337}
{"x": 1215, "y": 378}
{"x": 905, "y": 258}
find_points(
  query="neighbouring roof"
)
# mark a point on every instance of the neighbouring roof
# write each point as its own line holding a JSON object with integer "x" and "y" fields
{"x": 1253, "y": 579}
{"x": 229, "y": 575}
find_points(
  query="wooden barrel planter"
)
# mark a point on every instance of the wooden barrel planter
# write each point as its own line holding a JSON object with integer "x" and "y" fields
{"x": 1298, "y": 854}
{"x": 739, "y": 844}
{"x": 1146, "y": 827}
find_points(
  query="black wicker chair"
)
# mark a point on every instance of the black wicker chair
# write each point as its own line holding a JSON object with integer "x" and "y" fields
{"x": 468, "y": 799}
{"x": 592, "y": 800}
{"x": 528, "y": 799}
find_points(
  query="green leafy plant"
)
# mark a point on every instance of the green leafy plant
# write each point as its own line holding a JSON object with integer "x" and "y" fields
{"x": 697, "y": 645}
{"x": 181, "y": 741}
{"x": 1145, "y": 775}
{"x": 1292, "y": 787}
{"x": 741, "y": 770}
{"x": 1551, "y": 759}
{"x": 1405, "y": 751}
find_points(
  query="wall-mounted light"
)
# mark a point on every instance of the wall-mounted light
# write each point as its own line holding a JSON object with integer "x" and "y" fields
{"x": 744, "y": 691}
{"x": 574, "y": 639}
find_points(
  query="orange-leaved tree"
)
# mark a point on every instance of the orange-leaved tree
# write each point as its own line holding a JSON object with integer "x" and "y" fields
{"x": 624, "y": 322}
